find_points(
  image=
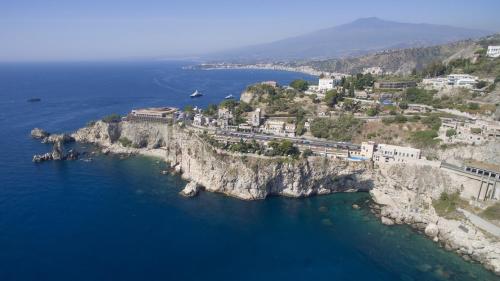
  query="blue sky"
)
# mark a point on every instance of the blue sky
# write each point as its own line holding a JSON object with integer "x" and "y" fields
{"x": 125, "y": 29}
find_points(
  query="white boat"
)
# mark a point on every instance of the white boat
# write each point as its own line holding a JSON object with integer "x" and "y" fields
{"x": 229, "y": 97}
{"x": 196, "y": 94}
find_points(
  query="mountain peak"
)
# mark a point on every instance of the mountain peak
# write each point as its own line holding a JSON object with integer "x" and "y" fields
{"x": 369, "y": 22}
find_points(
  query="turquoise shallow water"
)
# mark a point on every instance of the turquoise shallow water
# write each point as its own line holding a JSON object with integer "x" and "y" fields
{"x": 120, "y": 219}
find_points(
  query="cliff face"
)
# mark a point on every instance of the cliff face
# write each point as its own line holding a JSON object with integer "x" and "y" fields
{"x": 405, "y": 193}
{"x": 245, "y": 177}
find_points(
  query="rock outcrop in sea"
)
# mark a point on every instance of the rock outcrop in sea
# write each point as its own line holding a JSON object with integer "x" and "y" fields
{"x": 58, "y": 141}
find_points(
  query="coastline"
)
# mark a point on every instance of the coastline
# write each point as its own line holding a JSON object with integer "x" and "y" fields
{"x": 402, "y": 193}
{"x": 268, "y": 66}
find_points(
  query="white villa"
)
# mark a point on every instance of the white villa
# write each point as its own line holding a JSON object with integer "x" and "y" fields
{"x": 493, "y": 51}
{"x": 326, "y": 84}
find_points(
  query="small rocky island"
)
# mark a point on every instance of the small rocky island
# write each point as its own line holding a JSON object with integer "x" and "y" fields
{"x": 58, "y": 142}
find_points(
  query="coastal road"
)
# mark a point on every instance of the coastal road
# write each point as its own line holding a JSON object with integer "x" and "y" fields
{"x": 481, "y": 223}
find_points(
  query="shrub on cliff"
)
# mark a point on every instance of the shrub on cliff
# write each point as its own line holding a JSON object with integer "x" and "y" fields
{"x": 492, "y": 212}
{"x": 424, "y": 139}
{"x": 125, "y": 142}
{"x": 112, "y": 118}
{"x": 282, "y": 148}
{"x": 447, "y": 204}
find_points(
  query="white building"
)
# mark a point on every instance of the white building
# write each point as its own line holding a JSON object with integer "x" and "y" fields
{"x": 270, "y": 83}
{"x": 376, "y": 70}
{"x": 199, "y": 120}
{"x": 493, "y": 51}
{"x": 451, "y": 81}
{"x": 290, "y": 129}
{"x": 326, "y": 84}
{"x": 393, "y": 153}
{"x": 462, "y": 80}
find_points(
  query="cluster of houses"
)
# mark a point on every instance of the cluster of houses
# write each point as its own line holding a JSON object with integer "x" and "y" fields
{"x": 254, "y": 123}
{"x": 468, "y": 131}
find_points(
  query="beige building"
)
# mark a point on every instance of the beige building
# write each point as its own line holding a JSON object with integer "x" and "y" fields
{"x": 255, "y": 118}
{"x": 367, "y": 149}
{"x": 224, "y": 113}
{"x": 290, "y": 129}
{"x": 395, "y": 84}
{"x": 153, "y": 114}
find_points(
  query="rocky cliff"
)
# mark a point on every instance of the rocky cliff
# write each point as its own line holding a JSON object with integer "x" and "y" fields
{"x": 246, "y": 177}
{"x": 405, "y": 194}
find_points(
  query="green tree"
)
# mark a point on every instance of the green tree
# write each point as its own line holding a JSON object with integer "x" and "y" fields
{"x": 432, "y": 121}
{"x": 451, "y": 132}
{"x": 299, "y": 85}
{"x": 351, "y": 90}
{"x": 372, "y": 111}
{"x": 332, "y": 97}
{"x": 229, "y": 104}
{"x": 351, "y": 105}
{"x": 211, "y": 110}
{"x": 112, "y": 118}
{"x": 403, "y": 105}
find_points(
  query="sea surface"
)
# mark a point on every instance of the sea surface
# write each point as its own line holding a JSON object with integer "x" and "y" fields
{"x": 120, "y": 219}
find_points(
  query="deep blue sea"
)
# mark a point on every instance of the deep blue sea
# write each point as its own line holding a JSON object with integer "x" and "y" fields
{"x": 120, "y": 219}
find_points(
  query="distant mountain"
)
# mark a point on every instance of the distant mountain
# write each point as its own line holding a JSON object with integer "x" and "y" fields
{"x": 400, "y": 61}
{"x": 403, "y": 61}
{"x": 353, "y": 39}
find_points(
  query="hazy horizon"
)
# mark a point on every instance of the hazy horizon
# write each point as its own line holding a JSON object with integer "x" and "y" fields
{"x": 124, "y": 30}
